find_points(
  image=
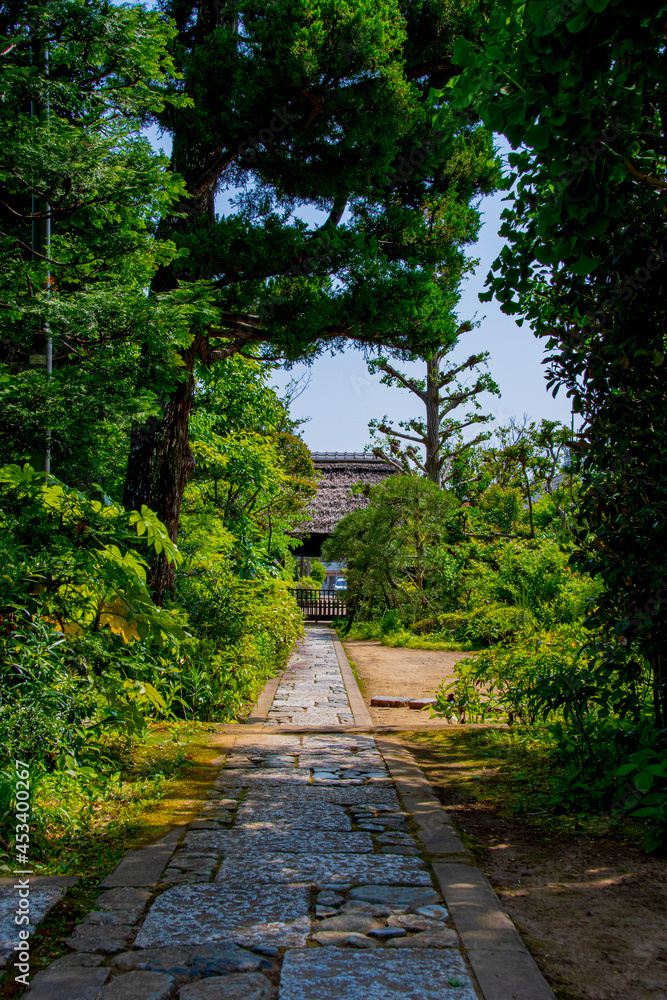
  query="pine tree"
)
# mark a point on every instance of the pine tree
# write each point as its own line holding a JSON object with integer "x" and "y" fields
{"x": 300, "y": 104}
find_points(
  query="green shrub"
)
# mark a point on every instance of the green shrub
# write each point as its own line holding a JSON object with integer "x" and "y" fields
{"x": 537, "y": 575}
{"x": 243, "y": 630}
{"x": 607, "y": 751}
{"x": 496, "y": 623}
{"x": 307, "y": 583}
{"x": 496, "y": 684}
{"x": 644, "y": 793}
{"x": 318, "y": 571}
{"x": 359, "y": 631}
{"x": 501, "y": 507}
{"x": 403, "y": 638}
{"x": 391, "y": 621}
{"x": 35, "y": 733}
{"x": 425, "y": 625}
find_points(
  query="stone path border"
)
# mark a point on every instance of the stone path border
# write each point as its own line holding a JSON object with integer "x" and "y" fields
{"x": 503, "y": 966}
{"x": 301, "y": 775}
{"x": 264, "y": 702}
{"x": 362, "y": 717}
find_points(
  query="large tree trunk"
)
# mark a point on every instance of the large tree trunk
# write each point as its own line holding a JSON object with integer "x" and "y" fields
{"x": 432, "y": 463}
{"x": 159, "y": 465}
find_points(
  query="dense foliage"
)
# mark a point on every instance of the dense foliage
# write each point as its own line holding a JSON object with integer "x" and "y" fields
{"x": 138, "y": 328}
{"x": 578, "y": 90}
{"x": 490, "y": 572}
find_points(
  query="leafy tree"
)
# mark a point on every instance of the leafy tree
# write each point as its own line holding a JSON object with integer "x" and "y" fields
{"x": 73, "y": 561}
{"x": 300, "y": 104}
{"x": 80, "y": 77}
{"x": 534, "y": 458}
{"x": 391, "y": 546}
{"x": 440, "y": 435}
{"x": 253, "y": 474}
{"x": 579, "y": 92}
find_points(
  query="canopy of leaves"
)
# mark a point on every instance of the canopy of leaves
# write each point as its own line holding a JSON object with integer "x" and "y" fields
{"x": 579, "y": 90}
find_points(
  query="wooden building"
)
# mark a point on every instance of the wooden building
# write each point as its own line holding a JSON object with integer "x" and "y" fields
{"x": 340, "y": 471}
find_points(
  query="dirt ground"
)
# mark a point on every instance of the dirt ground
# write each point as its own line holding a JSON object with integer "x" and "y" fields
{"x": 382, "y": 670}
{"x": 592, "y": 911}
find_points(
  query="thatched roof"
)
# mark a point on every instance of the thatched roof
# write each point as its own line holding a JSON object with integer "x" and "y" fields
{"x": 340, "y": 471}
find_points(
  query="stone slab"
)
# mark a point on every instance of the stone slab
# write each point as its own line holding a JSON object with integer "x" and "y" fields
{"x": 310, "y": 868}
{"x": 140, "y": 986}
{"x": 389, "y": 701}
{"x": 435, "y": 828}
{"x": 264, "y": 701}
{"x": 217, "y": 959}
{"x": 310, "y": 816}
{"x": 144, "y": 867}
{"x": 253, "y": 842}
{"x": 123, "y": 900}
{"x": 67, "y": 984}
{"x": 342, "y": 939}
{"x": 288, "y": 798}
{"x": 77, "y": 960}
{"x": 93, "y": 937}
{"x": 41, "y": 899}
{"x": 254, "y": 986}
{"x": 361, "y": 715}
{"x": 360, "y": 923}
{"x": 504, "y": 975}
{"x": 261, "y": 775}
{"x": 437, "y": 937}
{"x": 378, "y": 975}
{"x": 475, "y": 909}
{"x": 396, "y": 895}
{"x": 250, "y": 912}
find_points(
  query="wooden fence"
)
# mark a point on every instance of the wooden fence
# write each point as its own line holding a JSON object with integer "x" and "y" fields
{"x": 321, "y": 605}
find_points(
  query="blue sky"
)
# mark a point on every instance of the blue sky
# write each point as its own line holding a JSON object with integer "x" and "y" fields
{"x": 342, "y": 396}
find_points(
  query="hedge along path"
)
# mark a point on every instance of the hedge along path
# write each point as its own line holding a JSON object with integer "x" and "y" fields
{"x": 320, "y": 865}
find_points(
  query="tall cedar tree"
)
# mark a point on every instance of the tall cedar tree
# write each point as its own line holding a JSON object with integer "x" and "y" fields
{"x": 318, "y": 104}
{"x": 441, "y": 434}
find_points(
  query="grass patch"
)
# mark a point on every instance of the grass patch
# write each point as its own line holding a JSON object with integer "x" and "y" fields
{"x": 354, "y": 666}
{"x": 512, "y": 771}
{"x": 409, "y": 641}
{"x": 401, "y": 639}
{"x": 84, "y": 830}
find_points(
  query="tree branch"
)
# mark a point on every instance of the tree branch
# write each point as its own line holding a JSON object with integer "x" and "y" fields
{"x": 646, "y": 178}
{"x": 406, "y": 382}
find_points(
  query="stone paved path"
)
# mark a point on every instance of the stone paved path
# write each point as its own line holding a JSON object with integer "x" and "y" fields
{"x": 312, "y": 691}
{"x": 305, "y": 877}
